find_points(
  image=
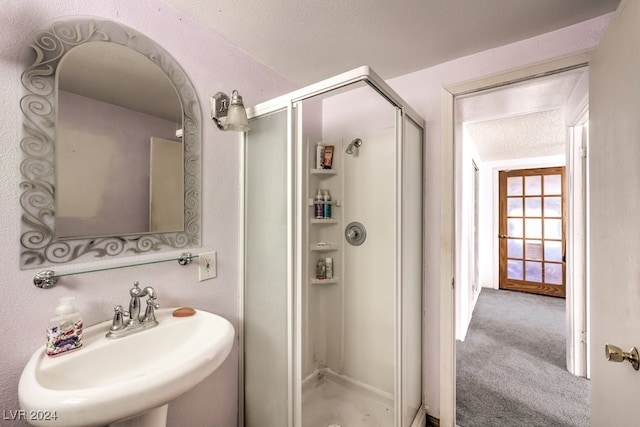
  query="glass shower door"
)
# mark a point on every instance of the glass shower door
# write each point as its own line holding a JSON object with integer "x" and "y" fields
{"x": 411, "y": 285}
{"x": 350, "y": 334}
{"x": 266, "y": 300}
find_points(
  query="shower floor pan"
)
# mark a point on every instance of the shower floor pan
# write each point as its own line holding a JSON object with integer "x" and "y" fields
{"x": 330, "y": 399}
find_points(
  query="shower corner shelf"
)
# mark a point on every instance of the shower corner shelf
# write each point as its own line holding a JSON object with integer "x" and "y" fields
{"x": 324, "y": 221}
{"x": 331, "y": 281}
{"x": 324, "y": 172}
{"x": 324, "y": 247}
{"x": 312, "y": 202}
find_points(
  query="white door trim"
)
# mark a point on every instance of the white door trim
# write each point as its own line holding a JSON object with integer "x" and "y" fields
{"x": 447, "y": 246}
{"x": 577, "y": 241}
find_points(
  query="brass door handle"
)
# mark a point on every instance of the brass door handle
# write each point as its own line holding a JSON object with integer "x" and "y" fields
{"x": 615, "y": 354}
{"x": 502, "y": 236}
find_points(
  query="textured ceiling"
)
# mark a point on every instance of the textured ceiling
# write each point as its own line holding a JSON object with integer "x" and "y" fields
{"x": 528, "y": 135}
{"x": 521, "y": 120}
{"x": 310, "y": 40}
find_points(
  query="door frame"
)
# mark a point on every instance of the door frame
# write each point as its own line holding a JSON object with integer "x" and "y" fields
{"x": 448, "y": 210}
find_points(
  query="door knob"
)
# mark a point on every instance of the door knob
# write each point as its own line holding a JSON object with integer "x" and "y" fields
{"x": 502, "y": 236}
{"x": 615, "y": 354}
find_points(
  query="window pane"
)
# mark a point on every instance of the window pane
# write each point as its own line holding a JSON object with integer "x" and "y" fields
{"x": 553, "y": 273}
{"x": 553, "y": 206}
{"x": 552, "y": 250}
{"x": 553, "y": 229}
{"x": 514, "y": 248}
{"x": 552, "y": 184}
{"x": 514, "y": 269}
{"x": 533, "y": 228}
{"x": 514, "y": 186}
{"x": 514, "y": 206}
{"x": 532, "y": 185}
{"x": 533, "y": 206}
{"x": 533, "y": 271}
{"x": 533, "y": 250}
{"x": 514, "y": 227}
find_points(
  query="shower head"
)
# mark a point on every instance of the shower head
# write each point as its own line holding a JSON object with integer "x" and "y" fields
{"x": 355, "y": 143}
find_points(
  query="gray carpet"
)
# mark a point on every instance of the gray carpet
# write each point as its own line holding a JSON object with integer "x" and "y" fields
{"x": 511, "y": 368}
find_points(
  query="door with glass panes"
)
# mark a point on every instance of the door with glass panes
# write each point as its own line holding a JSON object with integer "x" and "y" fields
{"x": 532, "y": 231}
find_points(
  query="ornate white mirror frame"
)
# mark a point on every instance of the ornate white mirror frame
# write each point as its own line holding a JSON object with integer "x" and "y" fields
{"x": 39, "y": 245}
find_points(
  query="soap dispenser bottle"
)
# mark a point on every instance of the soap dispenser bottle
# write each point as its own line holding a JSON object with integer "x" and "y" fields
{"x": 64, "y": 333}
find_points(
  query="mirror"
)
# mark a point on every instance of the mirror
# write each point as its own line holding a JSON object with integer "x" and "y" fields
{"x": 111, "y": 146}
{"x": 108, "y": 131}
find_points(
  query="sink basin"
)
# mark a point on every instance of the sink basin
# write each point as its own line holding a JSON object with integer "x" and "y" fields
{"x": 109, "y": 380}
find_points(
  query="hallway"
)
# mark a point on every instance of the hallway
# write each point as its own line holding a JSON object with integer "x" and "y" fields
{"x": 511, "y": 367}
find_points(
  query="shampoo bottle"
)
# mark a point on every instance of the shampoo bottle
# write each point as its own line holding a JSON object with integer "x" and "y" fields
{"x": 321, "y": 269}
{"x": 319, "y": 205}
{"x": 319, "y": 155}
{"x": 328, "y": 262}
{"x": 326, "y": 197}
{"x": 65, "y": 329}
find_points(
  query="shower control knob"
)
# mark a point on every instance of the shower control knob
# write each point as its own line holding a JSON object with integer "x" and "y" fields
{"x": 355, "y": 233}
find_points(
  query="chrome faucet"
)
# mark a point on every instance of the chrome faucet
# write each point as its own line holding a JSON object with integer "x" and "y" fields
{"x": 136, "y": 323}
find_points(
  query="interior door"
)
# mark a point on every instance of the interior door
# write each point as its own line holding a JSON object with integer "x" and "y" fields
{"x": 532, "y": 231}
{"x": 614, "y": 209}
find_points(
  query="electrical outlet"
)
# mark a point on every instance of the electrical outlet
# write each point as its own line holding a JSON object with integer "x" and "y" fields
{"x": 208, "y": 265}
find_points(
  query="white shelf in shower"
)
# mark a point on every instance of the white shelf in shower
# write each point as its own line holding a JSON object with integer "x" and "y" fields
{"x": 325, "y": 281}
{"x": 324, "y": 172}
{"x": 324, "y": 248}
{"x": 312, "y": 202}
{"x": 324, "y": 221}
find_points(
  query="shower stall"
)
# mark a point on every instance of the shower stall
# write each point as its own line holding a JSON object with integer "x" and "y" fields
{"x": 332, "y": 258}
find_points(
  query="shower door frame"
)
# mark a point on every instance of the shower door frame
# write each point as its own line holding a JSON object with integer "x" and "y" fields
{"x": 296, "y": 217}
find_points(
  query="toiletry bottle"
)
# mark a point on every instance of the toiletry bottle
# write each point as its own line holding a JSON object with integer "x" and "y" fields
{"x": 64, "y": 333}
{"x": 321, "y": 269}
{"x": 319, "y": 155}
{"x": 328, "y": 263}
{"x": 318, "y": 204}
{"x": 326, "y": 197}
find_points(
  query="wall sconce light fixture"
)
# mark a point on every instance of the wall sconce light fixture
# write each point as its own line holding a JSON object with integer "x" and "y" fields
{"x": 229, "y": 114}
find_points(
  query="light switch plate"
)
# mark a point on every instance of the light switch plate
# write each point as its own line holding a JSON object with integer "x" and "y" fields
{"x": 208, "y": 265}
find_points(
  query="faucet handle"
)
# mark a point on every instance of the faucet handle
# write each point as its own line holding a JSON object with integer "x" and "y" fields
{"x": 118, "y": 318}
{"x": 149, "y": 314}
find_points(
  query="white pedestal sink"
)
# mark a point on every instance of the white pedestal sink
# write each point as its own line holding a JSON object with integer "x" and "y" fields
{"x": 134, "y": 377}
